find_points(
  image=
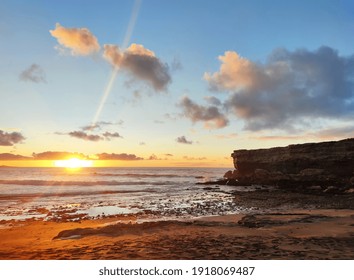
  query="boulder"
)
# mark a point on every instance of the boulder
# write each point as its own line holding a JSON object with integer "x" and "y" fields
{"x": 231, "y": 174}
{"x": 228, "y": 175}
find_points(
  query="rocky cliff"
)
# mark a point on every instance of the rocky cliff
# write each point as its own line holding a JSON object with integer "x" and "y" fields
{"x": 325, "y": 162}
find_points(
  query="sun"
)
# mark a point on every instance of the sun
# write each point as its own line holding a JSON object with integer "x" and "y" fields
{"x": 73, "y": 163}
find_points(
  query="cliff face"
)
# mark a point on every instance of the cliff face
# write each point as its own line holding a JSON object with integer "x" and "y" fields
{"x": 334, "y": 159}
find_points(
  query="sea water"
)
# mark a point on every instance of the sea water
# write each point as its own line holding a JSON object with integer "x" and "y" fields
{"x": 149, "y": 193}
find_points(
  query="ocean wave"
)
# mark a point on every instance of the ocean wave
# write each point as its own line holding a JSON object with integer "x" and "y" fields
{"x": 140, "y": 175}
{"x": 81, "y": 183}
{"x": 66, "y": 194}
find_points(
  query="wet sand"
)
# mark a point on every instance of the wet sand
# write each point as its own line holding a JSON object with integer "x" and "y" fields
{"x": 301, "y": 227}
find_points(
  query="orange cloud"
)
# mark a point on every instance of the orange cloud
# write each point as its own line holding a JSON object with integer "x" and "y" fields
{"x": 194, "y": 158}
{"x": 235, "y": 72}
{"x": 57, "y": 155}
{"x": 79, "y": 40}
{"x": 8, "y": 156}
{"x": 136, "y": 49}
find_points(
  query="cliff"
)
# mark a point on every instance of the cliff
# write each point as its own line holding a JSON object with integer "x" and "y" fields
{"x": 325, "y": 162}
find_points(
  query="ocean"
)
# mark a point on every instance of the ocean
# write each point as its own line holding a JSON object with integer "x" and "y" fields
{"x": 60, "y": 194}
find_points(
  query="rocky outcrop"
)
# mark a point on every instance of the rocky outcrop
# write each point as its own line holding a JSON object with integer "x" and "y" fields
{"x": 325, "y": 164}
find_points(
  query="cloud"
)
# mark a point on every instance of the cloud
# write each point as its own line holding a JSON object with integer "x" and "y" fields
{"x": 92, "y": 137}
{"x": 159, "y": 122}
{"x": 171, "y": 117}
{"x": 281, "y": 137}
{"x": 154, "y": 157}
{"x": 194, "y": 158}
{"x": 210, "y": 115}
{"x": 288, "y": 88}
{"x": 183, "y": 140}
{"x": 105, "y": 156}
{"x": 49, "y": 155}
{"x": 8, "y": 156}
{"x": 226, "y": 136}
{"x": 140, "y": 63}
{"x": 79, "y": 40}
{"x": 322, "y": 134}
{"x": 91, "y": 127}
{"x": 34, "y": 73}
{"x": 169, "y": 155}
{"x": 336, "y": 133}
{"x": 142, "y": 143}
{"x": 235, "y": 73}
{"x": 176, "y": 64}
{"x": 212, "y": 100}
{"x": 10, "y": 139}
{"x": 84, "y": 136}
{"x": 109, "y": 135}
{"x": 100, "y": 125}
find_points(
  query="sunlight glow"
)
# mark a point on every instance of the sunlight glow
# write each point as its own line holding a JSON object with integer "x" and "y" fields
{"x": 73, "y": 163}
{"x": 126, "y": 40}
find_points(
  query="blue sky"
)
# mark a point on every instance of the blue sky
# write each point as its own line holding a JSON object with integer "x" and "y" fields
{"x": 187, "y": 37}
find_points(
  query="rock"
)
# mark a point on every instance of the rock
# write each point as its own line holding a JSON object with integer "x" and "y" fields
{"x": 351, "y": 190}
{"x": 335, "y": 157}
{"x": 261, "y": 173}
{"x": 311, "y": 172}
{"x": 324, "y": 164}
{"x": 278, "y": 176}
{"x": 315, "y": 188}
{"x": 352, "y": 181}
{"x": 228, "y": 174}
{"x": 231, "y": 174}
{"x": 331, "y": 189}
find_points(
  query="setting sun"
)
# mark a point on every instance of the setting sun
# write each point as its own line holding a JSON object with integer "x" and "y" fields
{"x": 73, "y": 163}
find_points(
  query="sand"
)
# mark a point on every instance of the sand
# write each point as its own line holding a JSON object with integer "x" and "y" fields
{"x": 313, "y": 231}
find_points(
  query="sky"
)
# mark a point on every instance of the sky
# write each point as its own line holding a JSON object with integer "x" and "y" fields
{"x": 171, "y": 83}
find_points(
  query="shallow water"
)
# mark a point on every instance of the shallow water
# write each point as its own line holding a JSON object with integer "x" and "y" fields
{"x": 61, "y": 194}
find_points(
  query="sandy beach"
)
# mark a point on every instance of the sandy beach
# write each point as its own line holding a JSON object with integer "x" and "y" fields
{"x": 283, "y": 225}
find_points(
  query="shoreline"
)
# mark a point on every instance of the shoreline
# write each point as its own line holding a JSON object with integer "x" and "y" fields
{"x": 282, "y": 225}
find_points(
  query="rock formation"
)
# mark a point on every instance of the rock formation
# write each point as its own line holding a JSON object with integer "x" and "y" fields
{"x": 325, "y": 164}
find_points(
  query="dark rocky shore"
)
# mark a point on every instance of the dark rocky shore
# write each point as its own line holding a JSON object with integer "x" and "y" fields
{"x": 326, "y": 167}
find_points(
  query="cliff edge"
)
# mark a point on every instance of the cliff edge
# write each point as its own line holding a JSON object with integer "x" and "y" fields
{"x": 325, "y": 164}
